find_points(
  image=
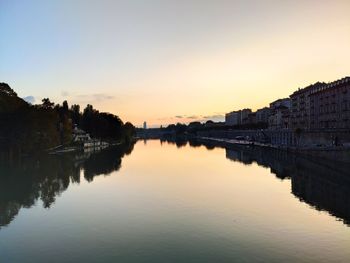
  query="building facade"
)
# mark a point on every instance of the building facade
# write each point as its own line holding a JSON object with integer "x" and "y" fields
{"x": 237, "y": 117}
{"x": 232, "y": 118}
{"x": 279, "y": 119}
{"x": 315, "y": 107}
{"x": 245, "y": 116}
{"x": 262, "y": 115}
{"x": 279, "y": 114}
{"x": 280, "y": 102}
{"x": 80, "y": 135}
{"x": 300, "y": 106}
{"x": 330, "y": 105}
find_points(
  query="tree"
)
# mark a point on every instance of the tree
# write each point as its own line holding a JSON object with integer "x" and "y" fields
{"x": 129, "y": 131}
{"x": 75, "y": 114}
{"x": 65, "y": 106}
{"x": 6, "y": 90}
{"x": 26, "y": 128}
{"x": 47, "y": 104}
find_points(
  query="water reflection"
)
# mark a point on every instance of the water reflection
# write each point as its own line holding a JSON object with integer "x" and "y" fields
{"x": 24, "y": 182}
{"x": 322, "y": 184}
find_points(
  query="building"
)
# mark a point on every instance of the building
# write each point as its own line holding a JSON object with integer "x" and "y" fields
{"x": 95, "y": 144}
{"x": 300, "y": 106}
{"x": 330, "y": 105}
{"x": 145, "y": 125}
{"x": 245, "y": 116}
{"x": 280, "y": 102}
{"x": 80, "y": 135}
{"x": 322, "y": 106}
{"x": 251, "y": 119}
{"x": 279, "y": 113}
{"x": 237, "y": 117}
{"x": 262, "y": 115}
{"x": 317, "y": 106}
{"x": 279, "y": 119}
{"x": 233, "y": 118}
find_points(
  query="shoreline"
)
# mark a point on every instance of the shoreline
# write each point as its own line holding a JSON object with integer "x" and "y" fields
{"x": 332, "y": 153}
{"x": 62, "y": 149}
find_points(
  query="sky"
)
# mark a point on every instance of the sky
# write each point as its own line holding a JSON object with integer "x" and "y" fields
{"x": 169, "y": 61}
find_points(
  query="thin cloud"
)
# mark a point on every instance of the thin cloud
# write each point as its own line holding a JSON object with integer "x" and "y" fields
{"x": 94, "y": 97}
{"x": 187, "y": 116}
{"x": 217, "y": 117}
{"x": 64, "y": 93}
{"x": 214, "y": 117}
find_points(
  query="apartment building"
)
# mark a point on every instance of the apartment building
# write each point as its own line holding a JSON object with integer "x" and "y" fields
{"x": 330, "y": 105}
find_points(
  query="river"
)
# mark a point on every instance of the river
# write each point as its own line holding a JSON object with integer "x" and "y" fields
{"x": 174, "y": 202}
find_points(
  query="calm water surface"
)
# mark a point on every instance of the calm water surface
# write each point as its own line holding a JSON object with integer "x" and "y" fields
{"x": 159, "y": 202}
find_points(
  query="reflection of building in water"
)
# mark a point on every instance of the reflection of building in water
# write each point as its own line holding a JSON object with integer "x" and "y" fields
{"x": 277, "y": 161}
{"x": 320, "y": 184}
{"x": 324, "y": 188}
{"x": 240, "y": 156}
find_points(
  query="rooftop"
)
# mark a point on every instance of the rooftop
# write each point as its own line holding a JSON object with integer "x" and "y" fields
{"x": 331, "y": 85}
{"x": 310, "y": 87}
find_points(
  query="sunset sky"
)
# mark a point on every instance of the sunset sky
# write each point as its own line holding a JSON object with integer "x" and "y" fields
{"x": 171, "y": 61}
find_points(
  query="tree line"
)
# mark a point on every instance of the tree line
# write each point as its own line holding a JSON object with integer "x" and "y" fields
{"x": 193, "y": 127}
{"x": 25, "y": 128}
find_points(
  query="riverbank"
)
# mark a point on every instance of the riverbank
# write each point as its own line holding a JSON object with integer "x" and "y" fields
{"x": 339, "y": 154}
{"x": 74, "y": 148}
{"x": 86, "y": 147}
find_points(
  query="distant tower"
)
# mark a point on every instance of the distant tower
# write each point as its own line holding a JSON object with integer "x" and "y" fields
{"x": 145, "y": 125}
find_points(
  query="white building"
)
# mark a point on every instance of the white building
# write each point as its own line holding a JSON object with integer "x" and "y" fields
{"x": 80, "y": 135}
{"x": 233, "y": 118}
{"x": 237, "y": 117}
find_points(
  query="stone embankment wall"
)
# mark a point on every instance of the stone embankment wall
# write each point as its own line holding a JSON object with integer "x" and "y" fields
{"x": 285, "y": 137}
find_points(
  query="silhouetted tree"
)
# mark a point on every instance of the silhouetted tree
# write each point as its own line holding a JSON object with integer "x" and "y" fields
{"x": 6, "y": 90}
{"x": 27, "y": 128}
{"x": 47, "y": 104}
{"x": 65, "y": 106}
{"x": 75, "y": 114}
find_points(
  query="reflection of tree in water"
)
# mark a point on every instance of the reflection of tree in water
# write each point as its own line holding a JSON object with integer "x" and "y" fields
{"x": 105, "y": 162}
{"x": 179, "y": 141}
{"x": 194, "y": 143}
{"x": 24, "y": 182}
